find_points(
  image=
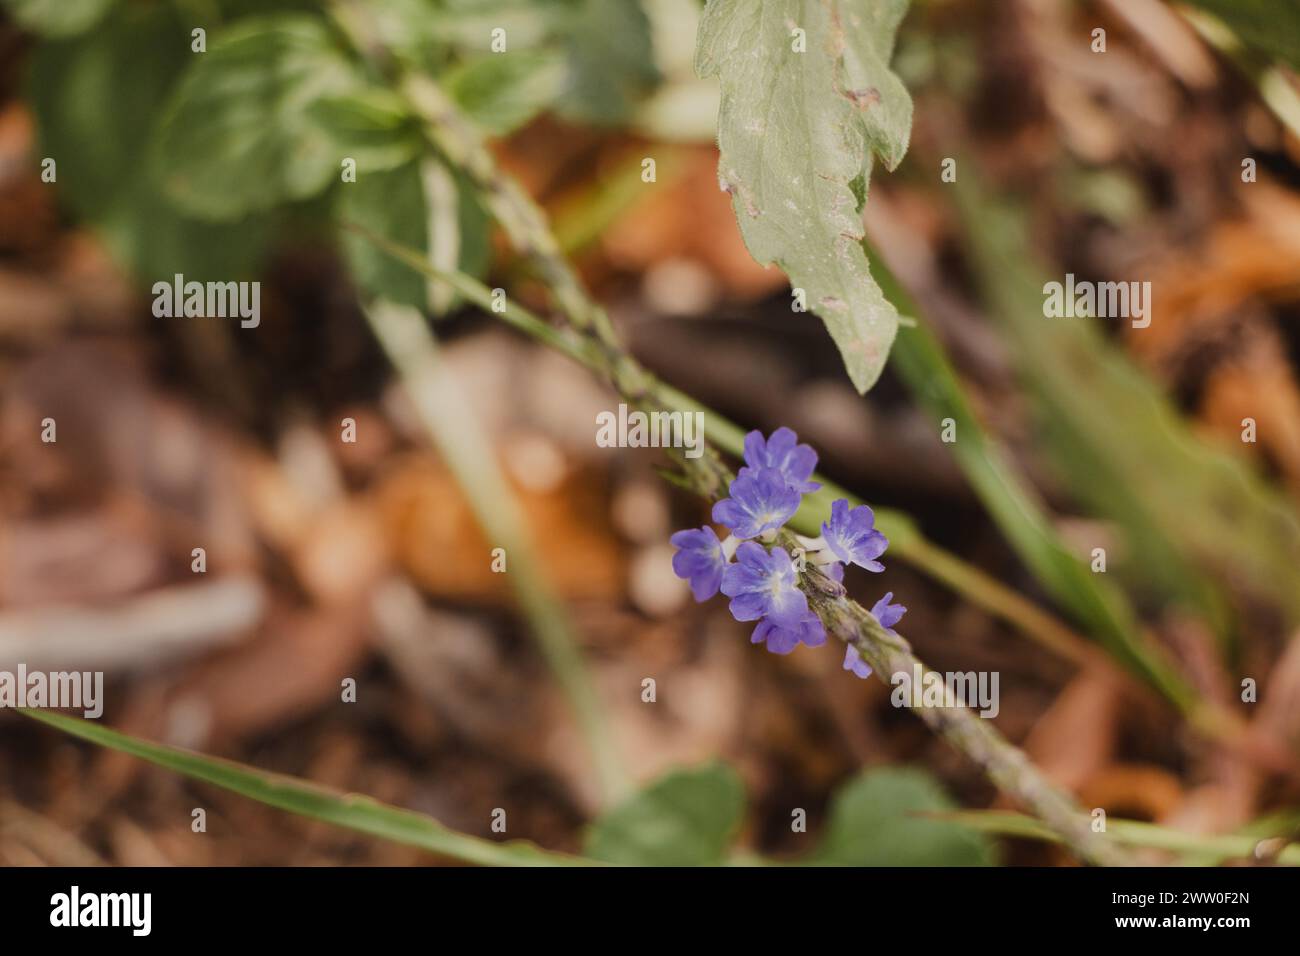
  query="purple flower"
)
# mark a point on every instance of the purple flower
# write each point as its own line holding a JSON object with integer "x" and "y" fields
{"x": 699, "y": 560}
{"x": 888, "y": 615}
{"x": 763, "y": 584}
{"x": 783, "y": 639}
{"x": 852, "y": 536}
{"x": 760, "y": 501}
{"x": 781, "y": 451}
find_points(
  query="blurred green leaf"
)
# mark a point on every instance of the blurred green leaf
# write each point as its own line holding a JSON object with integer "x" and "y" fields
{"x": 591, "y": 60}
{"x": 372, "y": 126}
{"x": 96, "y": 102}
{"x": 240, "y": 135}
{"x": 1191, "y": 514}
{"x": 1020, "y": 514}
{"x": 391, "y": 203}
{"x": 687, "y": 818}
{"x": 797, "y": 131}
{"x": 874, "y": 822}
{"x": 462, "y": 26}
{"x": 395, "y": 204}
{"x": 231, "y": 10}
{"x": 502, "y": 92}
{"x": 349, "y": 810}
{"x": 1200, "y": 849}
{"x": 611, "y": 59}
{"x": 57, "y": 18}
{"x": 1272, "y": 26}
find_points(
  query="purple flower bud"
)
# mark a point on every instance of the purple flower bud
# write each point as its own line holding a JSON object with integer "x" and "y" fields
{"x": 699, "y": 560}
{"x": 852, "y": 537}
{"x": 760, "y": 501}
{"x": 888, "y": 615}
{"x": 762, "y": 584}
{"x": 783, "y": 639}
{"x": 782, "y": 451}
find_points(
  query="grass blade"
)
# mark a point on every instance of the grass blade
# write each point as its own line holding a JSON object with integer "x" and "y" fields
{"x": 1134, "y": 833}
{"x": 1116, "y": 442}
{"x": 450, "y": 422}
{"x": 1018, "y": 512}
{"x": 347, "y": 810}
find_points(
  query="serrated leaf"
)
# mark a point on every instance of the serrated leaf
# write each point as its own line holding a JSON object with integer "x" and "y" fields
{"x": 797, "y": 132}
{"x": 58, "y": 18}
{"x": 878, "y": 819}
{"x": 240, "y": 135}
{"x": 687, "y": 818}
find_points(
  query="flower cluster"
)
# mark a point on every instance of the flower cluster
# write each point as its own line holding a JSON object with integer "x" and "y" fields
{"x": 762, "y": 579}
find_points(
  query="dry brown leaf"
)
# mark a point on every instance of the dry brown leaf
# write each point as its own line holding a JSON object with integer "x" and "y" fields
{"x": 295, "y": 666}
{"x": 436, "y": 539}
{"x": 1077, "y": 736}
{"x": 1133, "y": 791}
{"x": 690, "y": 218}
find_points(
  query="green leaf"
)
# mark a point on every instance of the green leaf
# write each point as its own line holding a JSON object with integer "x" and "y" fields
{"x": 1113, "y": 439}
{"x": 421, "y": 32}
{"x": 611, "y": 59}
{"x": 58, "y": 18}
{"x": 1021, "y": 515}
{"x": 372, "y": 126}
{"x": 349, "y": 810}
{"x": 1272, "y": 26}
{"x": 502, "y": 92}
{"x": 396, "y": 204}
{"x": 96, "y": 102}
{"x": 687, "y": 818}
{"x": 390, "y": 203}
{"x": 797, "y": 132}
{"x": 241, "y": 136}
{"x": 875, "y": 821}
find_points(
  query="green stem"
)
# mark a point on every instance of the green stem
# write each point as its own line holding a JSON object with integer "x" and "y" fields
{"x": 449, "y": 420}
{"x": 905, "y": 539}
{"x": 1006, "y": 765}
